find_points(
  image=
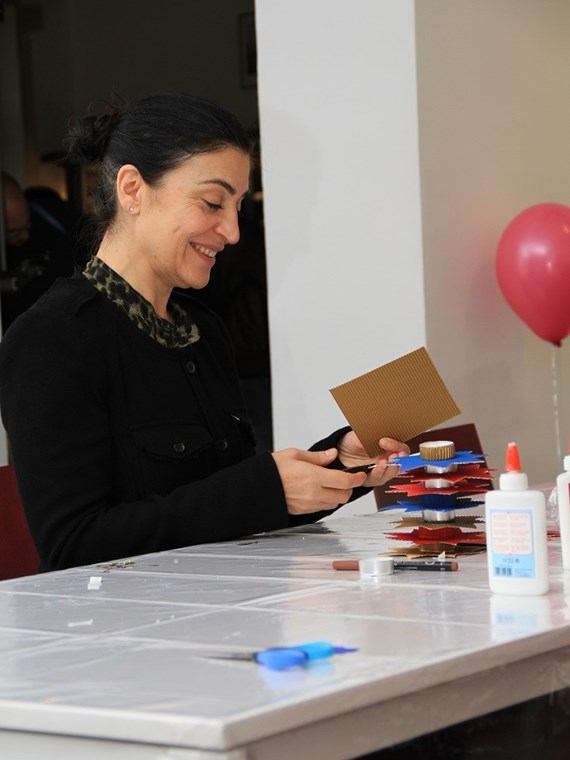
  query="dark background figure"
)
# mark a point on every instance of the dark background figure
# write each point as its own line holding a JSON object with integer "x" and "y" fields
{"x": 41, "y": 232}
{"x": 237, "y": 291}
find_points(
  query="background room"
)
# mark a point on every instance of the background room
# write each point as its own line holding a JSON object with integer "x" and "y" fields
{"x": 398, "y": 140}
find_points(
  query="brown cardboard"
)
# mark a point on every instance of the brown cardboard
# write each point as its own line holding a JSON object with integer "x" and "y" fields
{"x": 398, "y": 400}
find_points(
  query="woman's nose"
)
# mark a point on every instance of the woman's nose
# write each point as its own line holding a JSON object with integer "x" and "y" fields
{"x": 230, "y": 227}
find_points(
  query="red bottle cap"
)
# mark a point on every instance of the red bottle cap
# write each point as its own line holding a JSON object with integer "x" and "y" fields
{"x": 513, "y": 462}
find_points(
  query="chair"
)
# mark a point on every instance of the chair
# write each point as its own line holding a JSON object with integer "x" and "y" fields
{"x": 18, "y": 555}
{"x": 465, "y": 438}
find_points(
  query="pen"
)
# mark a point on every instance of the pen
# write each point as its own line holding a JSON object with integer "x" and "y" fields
{"x": 426, "y": 564}
{"x": 439, "y": 565}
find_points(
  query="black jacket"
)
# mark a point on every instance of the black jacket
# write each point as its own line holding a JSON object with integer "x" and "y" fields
{"x": 122, "y": 446}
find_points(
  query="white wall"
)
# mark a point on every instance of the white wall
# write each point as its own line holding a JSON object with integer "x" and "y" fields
{"x": 341, "y": 113}
{"x": 338, "y": 118}
{"x": 494, "y": 116}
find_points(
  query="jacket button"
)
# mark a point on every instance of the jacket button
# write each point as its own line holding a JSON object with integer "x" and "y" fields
{"x": 179, "y": 447}
{"x": 222, "y": 445}
{"x": 191, "y": 367}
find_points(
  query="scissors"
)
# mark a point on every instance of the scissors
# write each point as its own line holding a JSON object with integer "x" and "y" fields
{"x": 281, "y": 658}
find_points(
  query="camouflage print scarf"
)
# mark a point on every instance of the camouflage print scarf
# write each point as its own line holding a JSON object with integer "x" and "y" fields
{"x": 178, "y": 335}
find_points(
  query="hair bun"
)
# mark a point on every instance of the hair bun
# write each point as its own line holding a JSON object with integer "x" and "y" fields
{"x": 88, "y": 138}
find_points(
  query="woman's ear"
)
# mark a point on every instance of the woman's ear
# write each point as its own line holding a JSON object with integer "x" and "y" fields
{"x": 129, "y": 185}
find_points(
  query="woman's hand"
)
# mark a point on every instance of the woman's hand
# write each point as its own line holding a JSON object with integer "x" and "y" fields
{"x": 309, "y": 486}
{"x": 351, "y": 453}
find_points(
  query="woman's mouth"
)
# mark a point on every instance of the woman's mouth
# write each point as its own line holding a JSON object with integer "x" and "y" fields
{"x": 206, "y": 251}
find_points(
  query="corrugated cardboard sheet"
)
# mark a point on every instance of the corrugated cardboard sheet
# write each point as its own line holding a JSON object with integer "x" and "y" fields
{"x": 398, "y": 400}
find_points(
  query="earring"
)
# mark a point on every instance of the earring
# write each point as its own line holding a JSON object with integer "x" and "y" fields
{"x": 131, "y": 209}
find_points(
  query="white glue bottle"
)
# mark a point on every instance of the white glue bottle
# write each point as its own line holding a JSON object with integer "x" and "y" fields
{"x": 563, "y": 493}
{"x": 516, "y": 533}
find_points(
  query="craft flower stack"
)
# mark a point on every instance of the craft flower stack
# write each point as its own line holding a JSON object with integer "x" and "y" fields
{"x": 440, "y": 480}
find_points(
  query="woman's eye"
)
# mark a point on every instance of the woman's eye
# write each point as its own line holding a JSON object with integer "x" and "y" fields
{"x": 213, "y": 206}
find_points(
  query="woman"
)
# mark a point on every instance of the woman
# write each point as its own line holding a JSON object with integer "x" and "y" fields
{"x": 119, "y": 393}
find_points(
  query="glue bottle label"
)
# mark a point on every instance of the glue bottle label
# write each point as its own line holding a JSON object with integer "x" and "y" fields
{"x": 512, "y": 550}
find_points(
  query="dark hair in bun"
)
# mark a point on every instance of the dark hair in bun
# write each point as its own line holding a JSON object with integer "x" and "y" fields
{"x": 155, "y": 133}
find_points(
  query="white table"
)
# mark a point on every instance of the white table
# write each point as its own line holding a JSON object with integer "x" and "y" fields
{"x": 113, "y": 672}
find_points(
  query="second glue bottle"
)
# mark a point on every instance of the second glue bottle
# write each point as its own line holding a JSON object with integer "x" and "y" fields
{"x": 515, "y": 520}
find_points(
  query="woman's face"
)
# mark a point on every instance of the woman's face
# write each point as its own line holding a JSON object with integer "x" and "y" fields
{"x": 188, "y": 218}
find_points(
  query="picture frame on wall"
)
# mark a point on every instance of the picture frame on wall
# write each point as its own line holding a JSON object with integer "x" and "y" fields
{"x": 247, "y": 50}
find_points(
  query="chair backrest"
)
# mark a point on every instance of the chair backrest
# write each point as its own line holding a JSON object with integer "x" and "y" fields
{"x": 18, "y": 555}
{"x": 465, "y": 438}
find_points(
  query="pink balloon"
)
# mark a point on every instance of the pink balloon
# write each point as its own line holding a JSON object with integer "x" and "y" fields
{"x": 533, "y": 269}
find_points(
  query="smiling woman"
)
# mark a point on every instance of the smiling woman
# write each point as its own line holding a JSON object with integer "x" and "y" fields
{"x": 176, "y": 228}
{"x": 119, "y": 390}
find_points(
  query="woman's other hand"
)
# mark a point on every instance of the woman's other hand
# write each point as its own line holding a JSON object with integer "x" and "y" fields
{"x": 309, "y": 486}
{"x": 351, "y": 453}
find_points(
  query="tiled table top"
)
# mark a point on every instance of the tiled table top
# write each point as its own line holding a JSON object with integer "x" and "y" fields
{"x": 80, "y": 666}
